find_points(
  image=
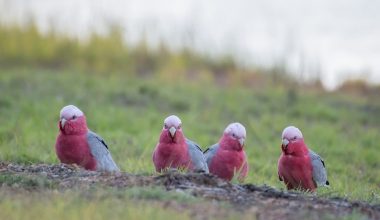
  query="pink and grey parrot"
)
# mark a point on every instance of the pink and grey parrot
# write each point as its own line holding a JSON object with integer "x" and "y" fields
{"x": 299, "y": 167}
{"x": 227, "y": 157}
{"x": 76, "y": 144}
{"x": 175, "y": 151}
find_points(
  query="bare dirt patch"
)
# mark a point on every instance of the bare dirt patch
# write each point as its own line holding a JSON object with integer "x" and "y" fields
{"x": 262, "y": 202}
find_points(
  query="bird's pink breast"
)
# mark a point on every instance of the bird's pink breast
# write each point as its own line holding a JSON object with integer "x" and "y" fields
{"x": 228, "y": 162}
{"x": 296, "y": 172}
{"x": 171, "y": 155}
{"x": 74, "y": 149}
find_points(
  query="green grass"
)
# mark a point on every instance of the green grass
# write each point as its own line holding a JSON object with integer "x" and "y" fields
{"x": 26, "y": 182}
{"x": 107, "y": 203}
{"x": 128, "y": 113}
{"x": 70, "y": 205}
{"x": 127, "y": 90}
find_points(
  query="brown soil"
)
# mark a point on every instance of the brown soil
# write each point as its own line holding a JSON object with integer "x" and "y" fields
{"x": 263, "y": 202}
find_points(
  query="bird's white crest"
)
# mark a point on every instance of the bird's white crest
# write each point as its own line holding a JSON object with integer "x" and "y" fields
{"x": 290, "y": 132}
{"x": 69, "y": 111}
{"x": 172, "y": 121}
{"x": 236, "y": 129}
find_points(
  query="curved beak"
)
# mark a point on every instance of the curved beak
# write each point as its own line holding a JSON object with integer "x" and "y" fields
{"x": 172, "y": 131}
{"x": 63, "y": 122}
{"x": 285, "y": 143}
{"x": 241, "y": 141}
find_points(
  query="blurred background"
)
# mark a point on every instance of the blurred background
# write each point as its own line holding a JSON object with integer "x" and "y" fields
{"x": 324, "y": 41}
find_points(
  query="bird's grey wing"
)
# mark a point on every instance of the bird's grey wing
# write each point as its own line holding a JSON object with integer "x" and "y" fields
{"x": 319, "y": 169}
{"x": 197, "y": 157}
{"x": 102, "y": 155}
{"x": 210, "y": 153}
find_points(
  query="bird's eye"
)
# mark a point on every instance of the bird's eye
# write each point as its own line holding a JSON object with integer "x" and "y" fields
{"x": 166, "y": 126}
{"x": 295, "y": 137}
{"x": 179, "y": 126}
{"x": 233, "y": 135}
{"x": 74, "y": 116}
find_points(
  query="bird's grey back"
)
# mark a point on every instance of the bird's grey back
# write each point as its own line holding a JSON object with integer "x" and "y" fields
{"x": 197, "y": 157}
{"x": 319, "y": 169}
{"x": 102, "y": 155}
{"x": 210, "y": 153}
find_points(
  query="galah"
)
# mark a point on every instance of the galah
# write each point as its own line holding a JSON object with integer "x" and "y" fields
{"x": 299, "y": 167}
{"x": 174, "y": 150}
{"x": 76, "y": 144}
{"x": 227, "y": 158}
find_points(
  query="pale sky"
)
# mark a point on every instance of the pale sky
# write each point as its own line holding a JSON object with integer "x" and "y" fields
{"x": 337, "y": 39}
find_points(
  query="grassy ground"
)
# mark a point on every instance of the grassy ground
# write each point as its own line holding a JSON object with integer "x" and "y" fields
{"x": 128, "y": 113}
{"x": 171, "y": 195}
